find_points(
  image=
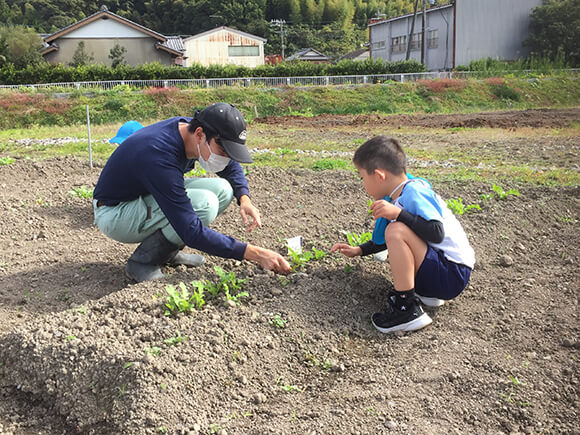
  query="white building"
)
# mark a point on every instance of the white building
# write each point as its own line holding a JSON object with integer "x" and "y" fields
{"x": 457, "y": 33}
{"x": 224, "y": 46}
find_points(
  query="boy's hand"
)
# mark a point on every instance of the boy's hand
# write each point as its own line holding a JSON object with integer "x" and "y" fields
{"x": 346, "y": 250}
{"x": 384, "y": 209}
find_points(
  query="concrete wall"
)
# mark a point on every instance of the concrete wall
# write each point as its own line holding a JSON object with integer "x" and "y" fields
{"x": 485, "y": 28}
{"x": 139, "y": 50}
{"x": 212, "y": 48}
{"x": 492, "y": 28}
{"x": 438, "y": 55}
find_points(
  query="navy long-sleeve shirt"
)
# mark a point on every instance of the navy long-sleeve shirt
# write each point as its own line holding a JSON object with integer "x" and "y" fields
{"x": 152, "y": 161}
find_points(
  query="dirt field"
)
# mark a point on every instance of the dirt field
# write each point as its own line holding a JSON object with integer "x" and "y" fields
{"x": 83, "y": 350}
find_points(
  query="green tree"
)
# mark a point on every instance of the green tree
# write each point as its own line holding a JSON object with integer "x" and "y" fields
{"x": 555, "y": 31}
{"x": 20, "y": 45}
{"x": 117, "y": 55}
{"x": 80, "y": 56}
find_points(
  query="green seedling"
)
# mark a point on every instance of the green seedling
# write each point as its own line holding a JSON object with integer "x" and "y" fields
{"x": 318, "y": 254}
{"x": 122, "y": 390}
{"x": 235, "y": 297}
{"x": 196, "y": 172}
{"x": 172, "y": 341}
{"x": 81, "y": 192}
{"x": 127, "y": 365}
{"x": 355, "y": 239}
{"x": 4, "y": 161}
{"x": 299, "y": 259}
{"x": 290, "y": 388}
{"x": 182, "y": 301}
{"x": 369, "y": 203}
{"x": 229, "y": 280}
{"x": 155, "y": 351}
{"x": 348, "y": 269}
{"x": 214, "y": 428}
{"x": 283, "y": 280}
{"x": 501, "y": 194}
{"x": 70, "y": 337}
{"x": 457, "y": 206}
{"x": 486, "y": 196}
{"x": 278, "y": 322}
{"x": 82, "y": 310}
{"x": 162, "y": 429}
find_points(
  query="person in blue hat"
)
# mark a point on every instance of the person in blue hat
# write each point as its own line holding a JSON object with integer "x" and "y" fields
{"x": 126, "y": 130}
{"x": 143, "y": 197}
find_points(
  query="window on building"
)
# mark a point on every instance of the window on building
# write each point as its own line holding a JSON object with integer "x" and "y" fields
{"x": 416, "y": 41}
{"x": 399, "y": 44}
{"x": 243, "y": 50}
{"x": 433, "y": 39}
{"x": 379, "y": 45}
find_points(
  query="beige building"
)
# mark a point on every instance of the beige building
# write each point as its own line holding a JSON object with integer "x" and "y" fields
{"x": 103, "y": 30}
{"x": 224, "y": 46}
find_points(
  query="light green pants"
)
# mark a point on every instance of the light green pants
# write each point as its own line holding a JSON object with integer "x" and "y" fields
{"x": 134, "y": 221}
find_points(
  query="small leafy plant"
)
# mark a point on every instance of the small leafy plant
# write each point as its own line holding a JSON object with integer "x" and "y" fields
{"x": 81, "y": 192}
{"x": 181, "y": 301}
{"x": 4, "y": 161}
{"x": 457, "y": 206}
{"x": 278, "y": 322}
{"x": 501, "y": 194}
{"x": 355, "y": 239}
{"x": 172, "y": 341}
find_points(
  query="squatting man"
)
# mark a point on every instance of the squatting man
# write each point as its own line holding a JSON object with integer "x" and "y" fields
{"x": 142, "y": 196}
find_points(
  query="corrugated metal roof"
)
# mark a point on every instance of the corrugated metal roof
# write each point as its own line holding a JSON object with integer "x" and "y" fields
{"x": 410, "y": 15}
{"x": 227, "y": 29}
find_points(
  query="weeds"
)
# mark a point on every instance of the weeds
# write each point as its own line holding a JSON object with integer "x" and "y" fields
{"x": 155, "y": 351}
{"x": 81, "y": 192}
{"x": 278, "y": 322}
{"x": 5, "y": 161}
{"x": 172, "y": 341}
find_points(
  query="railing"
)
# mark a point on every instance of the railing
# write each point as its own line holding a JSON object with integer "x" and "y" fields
{"x": 268, "y": 81}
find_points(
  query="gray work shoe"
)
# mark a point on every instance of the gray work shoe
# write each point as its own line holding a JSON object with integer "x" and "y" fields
{"x": 144, "y": 264}
{"x": 188, "y": 260}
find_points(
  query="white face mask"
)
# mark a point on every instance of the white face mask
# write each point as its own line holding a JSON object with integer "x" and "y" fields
{"x": 215, "y": 162}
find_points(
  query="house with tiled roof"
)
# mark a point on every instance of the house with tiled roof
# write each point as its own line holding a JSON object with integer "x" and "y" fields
{"x": 104, "y": 30}
{"x": 309, "y": 55}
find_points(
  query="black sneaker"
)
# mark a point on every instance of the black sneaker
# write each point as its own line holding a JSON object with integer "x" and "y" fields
{"x": 395, "y": 319}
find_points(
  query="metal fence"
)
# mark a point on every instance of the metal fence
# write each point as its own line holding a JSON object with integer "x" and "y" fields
{"x": 269, "y": 82}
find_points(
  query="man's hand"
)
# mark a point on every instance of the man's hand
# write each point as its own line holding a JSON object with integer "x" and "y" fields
{"x": 346, "y": 250}
{"x": 384, "y": 209}
{"x": 269, "y": 260}
{"x": 247, "y": 210}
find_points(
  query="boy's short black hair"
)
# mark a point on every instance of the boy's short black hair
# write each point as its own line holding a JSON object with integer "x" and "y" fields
{"x": 381, "y": 152}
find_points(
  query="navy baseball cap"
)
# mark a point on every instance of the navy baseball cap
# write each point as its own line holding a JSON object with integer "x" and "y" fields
{"x": 229, "y": 123}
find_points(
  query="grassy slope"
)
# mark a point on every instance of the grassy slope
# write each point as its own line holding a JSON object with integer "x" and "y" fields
{"x": 66, "y": 117}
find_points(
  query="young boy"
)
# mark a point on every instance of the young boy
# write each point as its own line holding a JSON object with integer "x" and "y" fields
{"x": 430, "y": 257}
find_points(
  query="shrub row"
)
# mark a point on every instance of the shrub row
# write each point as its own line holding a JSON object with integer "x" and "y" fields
{"x": 47, "y": 73}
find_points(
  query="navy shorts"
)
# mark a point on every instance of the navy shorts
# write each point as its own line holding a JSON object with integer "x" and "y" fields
{"x": 440, "y": 278}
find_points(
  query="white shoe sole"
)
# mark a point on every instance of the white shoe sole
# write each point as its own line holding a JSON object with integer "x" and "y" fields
{"x": 430, "y": 302}
{"x": 420, "y": 322}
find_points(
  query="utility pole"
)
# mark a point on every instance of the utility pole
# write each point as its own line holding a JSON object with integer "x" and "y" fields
{"x": 423, "y": 32}
{"x": 412, "y": 29}
{"x": 280, "y": 23}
